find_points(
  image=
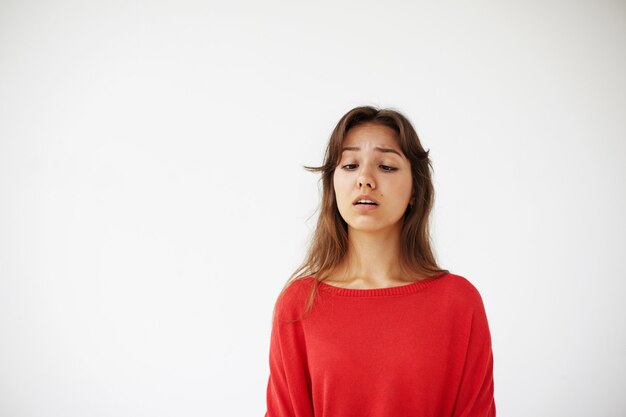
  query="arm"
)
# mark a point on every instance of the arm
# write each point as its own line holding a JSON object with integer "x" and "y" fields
{"x": 289, "y": 383}
{"x": 476, "y": 392}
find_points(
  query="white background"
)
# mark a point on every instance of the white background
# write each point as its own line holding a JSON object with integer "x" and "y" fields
{"x": 153, "y": 201}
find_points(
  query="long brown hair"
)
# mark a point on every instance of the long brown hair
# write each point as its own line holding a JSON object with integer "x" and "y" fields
{"x": 329, "y": 242}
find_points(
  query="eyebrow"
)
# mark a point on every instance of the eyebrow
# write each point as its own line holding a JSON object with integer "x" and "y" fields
{"x": 378, "y": 148}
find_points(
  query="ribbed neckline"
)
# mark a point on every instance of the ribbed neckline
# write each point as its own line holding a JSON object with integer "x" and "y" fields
{"x": 376, "y": 292}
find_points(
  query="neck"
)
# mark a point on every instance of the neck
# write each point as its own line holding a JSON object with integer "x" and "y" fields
{"x": 373, "y": 258}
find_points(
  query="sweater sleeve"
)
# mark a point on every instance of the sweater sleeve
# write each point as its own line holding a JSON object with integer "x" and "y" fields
{"x": 475, "y": 397}
{"x": 289, "y": 383}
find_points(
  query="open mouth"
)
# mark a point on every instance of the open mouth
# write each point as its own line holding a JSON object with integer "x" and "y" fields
{"x": 365, "y": 206}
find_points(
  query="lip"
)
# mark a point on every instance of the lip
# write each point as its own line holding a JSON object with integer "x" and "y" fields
{"x": 366, "y": 197}
{"x": 365, "y": 207}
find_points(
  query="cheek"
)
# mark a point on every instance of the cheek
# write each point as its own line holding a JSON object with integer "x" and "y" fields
{"x": 342, "y": 190}
{"x": 337, "y": 187}
{"x": 403, "y": 188}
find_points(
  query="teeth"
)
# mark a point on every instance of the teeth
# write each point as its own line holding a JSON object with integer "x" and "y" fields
{"x": 365, "y": 201}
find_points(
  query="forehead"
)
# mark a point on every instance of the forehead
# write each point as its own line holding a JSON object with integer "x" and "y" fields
{"x": 371, "y": 135}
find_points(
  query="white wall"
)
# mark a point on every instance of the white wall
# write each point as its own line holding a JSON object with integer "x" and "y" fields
{"x": 153, "y": 200}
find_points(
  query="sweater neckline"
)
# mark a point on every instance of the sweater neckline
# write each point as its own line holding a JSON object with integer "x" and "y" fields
{"x": 375, "y": 292}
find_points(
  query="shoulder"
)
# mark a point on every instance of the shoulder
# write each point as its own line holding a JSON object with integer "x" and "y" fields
{"x": 293, "y": 297}
{"x": 466, "y": 306}
{"x": 297, "y": 288}
{"x": 462, "y": 292}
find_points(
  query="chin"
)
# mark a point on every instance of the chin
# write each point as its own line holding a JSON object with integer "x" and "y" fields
{"x": 373, "y": 223}
{"x": 368, "y": 225}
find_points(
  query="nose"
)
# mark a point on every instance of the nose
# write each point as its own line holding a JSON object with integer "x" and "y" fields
{"x": 364, "y": 179}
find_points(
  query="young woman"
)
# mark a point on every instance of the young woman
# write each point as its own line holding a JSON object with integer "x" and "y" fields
{"x": 372, "y": 326}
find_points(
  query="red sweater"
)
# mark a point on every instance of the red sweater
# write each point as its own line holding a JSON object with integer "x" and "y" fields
{"x": 417, "y": 350}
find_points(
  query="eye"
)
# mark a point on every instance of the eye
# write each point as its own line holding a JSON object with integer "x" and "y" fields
{"x": 384, "y": 167}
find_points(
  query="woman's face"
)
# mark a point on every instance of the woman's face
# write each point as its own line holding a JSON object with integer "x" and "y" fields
{"x": 384, "y": 176}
